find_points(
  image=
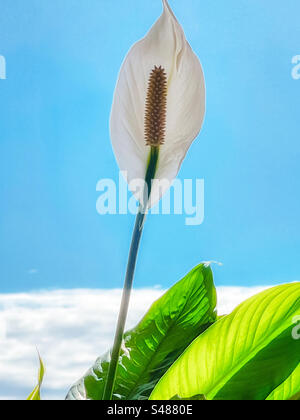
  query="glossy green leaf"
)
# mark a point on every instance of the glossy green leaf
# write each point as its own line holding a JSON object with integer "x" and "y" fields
{"x": 244, "y": 356}
{"x": 170, "y": 325}
{"x": 36, "y": 393}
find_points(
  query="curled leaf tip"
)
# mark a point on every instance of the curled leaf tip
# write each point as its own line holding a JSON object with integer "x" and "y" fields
{"x": 209, "y": 263}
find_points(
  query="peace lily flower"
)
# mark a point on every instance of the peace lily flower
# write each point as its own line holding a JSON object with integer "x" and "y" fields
{"x": 159, "y": 104}
{"x": 157, "y": 112}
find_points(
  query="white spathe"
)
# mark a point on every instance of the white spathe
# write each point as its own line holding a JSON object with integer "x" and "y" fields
{"x": 165, "y": 45}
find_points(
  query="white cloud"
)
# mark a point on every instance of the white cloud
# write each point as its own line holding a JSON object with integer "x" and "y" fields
{"x": 70, "y": 328}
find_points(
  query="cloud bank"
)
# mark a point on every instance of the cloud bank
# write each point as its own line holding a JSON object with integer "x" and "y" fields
{"x": 70, "y": 328}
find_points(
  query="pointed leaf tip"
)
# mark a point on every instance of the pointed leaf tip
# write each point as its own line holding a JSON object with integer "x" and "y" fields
{"x": 36, "y": 393}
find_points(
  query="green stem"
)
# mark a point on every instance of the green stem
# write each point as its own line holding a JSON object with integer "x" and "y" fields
{"x": 136, "y": 237}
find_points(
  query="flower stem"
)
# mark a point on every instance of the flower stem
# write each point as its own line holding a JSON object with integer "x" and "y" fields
{"x": 136, "y": 237}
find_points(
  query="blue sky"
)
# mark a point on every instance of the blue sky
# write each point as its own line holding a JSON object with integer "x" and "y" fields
{"x": 63, "y": 59}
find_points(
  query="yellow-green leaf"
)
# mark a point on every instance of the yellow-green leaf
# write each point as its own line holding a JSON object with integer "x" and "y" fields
{"x": 244, "y": 356}
{"x": 36, "y": 393}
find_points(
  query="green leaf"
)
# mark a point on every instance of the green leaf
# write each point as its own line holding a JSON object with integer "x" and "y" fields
{"x": 36, "y": 393}
{"x": 243, "y": 356}
{"x": 170, "y": 325}
{"x": 288, "y": 388}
